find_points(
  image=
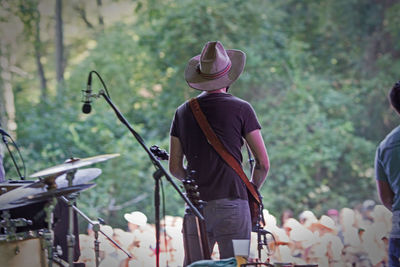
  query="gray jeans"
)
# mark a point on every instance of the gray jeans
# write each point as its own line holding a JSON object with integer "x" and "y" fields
{"x": 225, "y": 219}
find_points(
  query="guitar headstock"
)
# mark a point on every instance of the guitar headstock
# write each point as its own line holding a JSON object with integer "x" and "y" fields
{"x": 192, "y": 190}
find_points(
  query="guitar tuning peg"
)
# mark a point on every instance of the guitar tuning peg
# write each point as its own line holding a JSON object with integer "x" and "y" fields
{"x": 192, "y": 173}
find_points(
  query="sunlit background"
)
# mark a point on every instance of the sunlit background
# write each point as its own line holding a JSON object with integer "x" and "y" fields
{"x": 317, "y": 74}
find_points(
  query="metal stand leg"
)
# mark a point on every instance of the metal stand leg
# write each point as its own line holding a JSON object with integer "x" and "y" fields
{"x": 157, "y": 176}
{"x": 96, "y": 229}
{"x": 48, "y": 234}
{"x": 70, "y": 235}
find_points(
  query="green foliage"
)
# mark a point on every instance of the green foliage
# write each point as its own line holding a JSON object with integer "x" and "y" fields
{"x": 317, "y": 74}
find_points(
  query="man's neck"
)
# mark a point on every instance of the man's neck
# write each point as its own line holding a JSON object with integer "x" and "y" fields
{"x": 222, "y": 90}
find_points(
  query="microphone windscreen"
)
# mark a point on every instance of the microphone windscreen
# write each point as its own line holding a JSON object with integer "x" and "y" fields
{"x": 86, "y": 108}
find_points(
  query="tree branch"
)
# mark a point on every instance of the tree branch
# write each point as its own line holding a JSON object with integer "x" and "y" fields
{"x": 112, "y": 207}
{"x": 82, "y": 13}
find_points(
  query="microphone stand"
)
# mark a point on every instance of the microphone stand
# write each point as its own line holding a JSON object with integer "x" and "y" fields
{"x": 250, "y": 156}
{"x": 259, "y": 228}
{"x": 11, "y": 154}
{"x": 160, "y": 171}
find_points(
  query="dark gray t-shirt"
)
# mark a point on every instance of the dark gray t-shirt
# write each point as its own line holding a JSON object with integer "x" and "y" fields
{"x": 231, "y": 119}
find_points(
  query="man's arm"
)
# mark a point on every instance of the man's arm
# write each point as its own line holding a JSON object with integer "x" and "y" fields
{"x": 257, "y": 147}
{"x": 385, "y": 193}
{"x": 176, "y": 158}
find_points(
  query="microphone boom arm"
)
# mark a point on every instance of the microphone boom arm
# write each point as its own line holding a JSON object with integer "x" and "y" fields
{"x": 156, "y": 162}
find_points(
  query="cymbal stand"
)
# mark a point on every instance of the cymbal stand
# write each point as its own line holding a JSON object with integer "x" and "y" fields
{"x": 48, "y": 233}
{"x": 71, "y": 204}
{"x": 5, "y": 223}
{"x": 96, "y": 229}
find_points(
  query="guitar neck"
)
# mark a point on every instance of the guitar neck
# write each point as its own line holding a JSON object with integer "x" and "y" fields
{"x": 194, "y": 196}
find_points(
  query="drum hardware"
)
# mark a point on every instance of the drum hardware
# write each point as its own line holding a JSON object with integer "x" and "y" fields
{"x": 62, "y": 180}
{"x": 18, "y": 197}
{"x": 59, "y": 181}
{"x": 71, "y": 203}
{"x": 81, "y": 176}
{"x": 73, "y": 163}
{"x": 59, "y": 262}
{"x": 48, "y": 233}
{"x": 10, "y": 225}
{"x": 96, "y": 229}
{"x": 43, "y": 196}
{"x": 11, "y": 185}
{"x": 33, "y": 193}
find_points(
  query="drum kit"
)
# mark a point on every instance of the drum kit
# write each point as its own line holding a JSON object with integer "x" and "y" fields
{"x": 27, "y": 209}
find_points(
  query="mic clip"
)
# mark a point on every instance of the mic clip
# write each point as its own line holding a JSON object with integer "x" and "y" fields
{"x": 87, "y": 95}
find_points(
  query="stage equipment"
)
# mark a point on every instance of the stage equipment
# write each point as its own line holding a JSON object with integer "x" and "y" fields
{"x": 73, "y": 163}
{"x": 159, "y": 169}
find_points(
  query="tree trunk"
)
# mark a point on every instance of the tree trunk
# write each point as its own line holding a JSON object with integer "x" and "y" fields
{"x": 7, "y": 110}
{"x": 101, "y": 19}
{"x": 38, "y": 54}
{"x": 59, "y": 43}
{"x": 2, "y": 118}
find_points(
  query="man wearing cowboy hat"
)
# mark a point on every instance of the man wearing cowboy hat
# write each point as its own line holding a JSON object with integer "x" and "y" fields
{"x": 387, "y": 175}
{"x": 227, "y": 213}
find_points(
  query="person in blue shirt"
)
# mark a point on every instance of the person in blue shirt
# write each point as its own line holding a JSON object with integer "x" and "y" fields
{"x": 2, "y": 172}
{"x": 387, "y": 175}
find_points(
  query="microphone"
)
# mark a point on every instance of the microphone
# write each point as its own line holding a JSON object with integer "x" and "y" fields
{"x": 87, "y": 108}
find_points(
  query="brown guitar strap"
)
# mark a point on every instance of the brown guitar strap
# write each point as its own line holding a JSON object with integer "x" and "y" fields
{"x": 219, "y": 147}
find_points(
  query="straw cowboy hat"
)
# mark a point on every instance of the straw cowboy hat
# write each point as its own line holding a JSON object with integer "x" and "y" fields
{"x": 215, "y": 67}
{"x": 136, "y": 217}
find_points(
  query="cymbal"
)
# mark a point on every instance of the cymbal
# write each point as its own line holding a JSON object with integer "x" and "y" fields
{"x": 34, "y": 193}
{"x": 73, "y": 163}
{"x": 52, "y": 193}
{"x": 81, "y": 176}
{"x": 18, "y": 193}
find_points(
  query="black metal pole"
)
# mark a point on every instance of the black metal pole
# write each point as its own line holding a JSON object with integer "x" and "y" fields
{"x": 157, "y": 176}
{"x": 94, "y": 223}
{"x": 251, "y": 159}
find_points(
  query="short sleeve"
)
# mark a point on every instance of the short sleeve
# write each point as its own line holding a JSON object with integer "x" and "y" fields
{"x": 174, "y": 131}
{"x": 380, "y": 173}
{"x": 249, "y": 118}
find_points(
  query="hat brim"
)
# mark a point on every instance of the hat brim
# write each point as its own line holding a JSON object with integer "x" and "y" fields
{"x": 198, "y": 82}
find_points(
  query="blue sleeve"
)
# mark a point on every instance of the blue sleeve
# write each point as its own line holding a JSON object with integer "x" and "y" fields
{"x": 380, "y": 173}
